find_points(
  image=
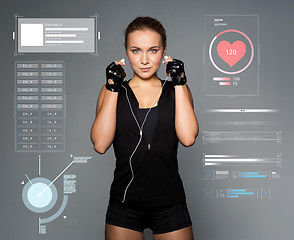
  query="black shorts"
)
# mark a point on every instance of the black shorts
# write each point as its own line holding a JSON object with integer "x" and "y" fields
{"x": 158, "y": 219}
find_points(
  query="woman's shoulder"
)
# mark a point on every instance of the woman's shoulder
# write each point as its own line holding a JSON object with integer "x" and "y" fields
{"x": 168, "y": 88}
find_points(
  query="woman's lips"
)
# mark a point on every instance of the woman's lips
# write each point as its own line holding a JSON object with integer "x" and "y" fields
{"x": 145, "y": 69}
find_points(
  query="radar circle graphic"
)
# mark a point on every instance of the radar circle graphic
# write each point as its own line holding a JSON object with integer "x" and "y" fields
{"x": 39, "y": 195}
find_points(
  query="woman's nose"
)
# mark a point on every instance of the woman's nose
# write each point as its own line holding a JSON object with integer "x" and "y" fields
{"x": 145, "y": 58}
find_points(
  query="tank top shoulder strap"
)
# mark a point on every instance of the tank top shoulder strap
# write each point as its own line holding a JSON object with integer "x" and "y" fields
{"x": 168, "y": 89}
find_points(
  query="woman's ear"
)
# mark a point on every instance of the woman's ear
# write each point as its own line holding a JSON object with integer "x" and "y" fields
{"x": 164, "y": 52}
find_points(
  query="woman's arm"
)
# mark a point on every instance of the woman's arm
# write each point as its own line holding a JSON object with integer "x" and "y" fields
{"x": 103, "y": 128}
{"x": 185, "y": 119}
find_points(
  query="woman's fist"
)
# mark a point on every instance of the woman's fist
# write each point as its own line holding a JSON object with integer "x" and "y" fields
{"x": 115, "y": 75}
{"x": 175, "y": 69}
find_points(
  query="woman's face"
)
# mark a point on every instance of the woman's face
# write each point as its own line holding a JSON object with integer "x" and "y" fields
{"x": 145, "y": 52}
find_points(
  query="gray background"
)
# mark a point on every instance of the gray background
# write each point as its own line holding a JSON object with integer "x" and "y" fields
{"x": 184, "y": 22}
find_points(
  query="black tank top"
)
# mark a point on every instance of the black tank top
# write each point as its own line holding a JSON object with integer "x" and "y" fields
{"x": 150, "y": 122}
{"x": 155, "y": 180}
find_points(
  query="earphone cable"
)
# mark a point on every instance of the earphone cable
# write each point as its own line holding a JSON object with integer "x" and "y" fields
{"x": 141, "y": 132}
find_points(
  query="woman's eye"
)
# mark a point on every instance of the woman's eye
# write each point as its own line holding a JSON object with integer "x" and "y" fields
{"x": 135, "y": 51}
{"x": 154, "y": 50}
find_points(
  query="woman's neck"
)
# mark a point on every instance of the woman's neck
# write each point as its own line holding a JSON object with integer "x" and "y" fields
{"x": 136, "y": 81}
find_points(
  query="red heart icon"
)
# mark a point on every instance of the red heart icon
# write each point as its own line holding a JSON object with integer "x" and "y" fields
{"x": 231, "y": 53}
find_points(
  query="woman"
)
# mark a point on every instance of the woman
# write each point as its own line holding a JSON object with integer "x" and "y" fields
{"x": 145, "y": 118}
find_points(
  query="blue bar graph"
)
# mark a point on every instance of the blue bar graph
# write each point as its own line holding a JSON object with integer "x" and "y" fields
{"x": 241, "y": 193}
{"x": 252, "y": 175}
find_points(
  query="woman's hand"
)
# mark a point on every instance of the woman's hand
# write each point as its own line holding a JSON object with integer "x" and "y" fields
{"x": 115, "y": 75}
{"x": 175, "y": 68}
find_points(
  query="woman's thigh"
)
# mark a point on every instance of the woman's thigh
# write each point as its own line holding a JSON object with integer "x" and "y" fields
{"x": 182, "y": 234}
{"x": 113, "y": 232}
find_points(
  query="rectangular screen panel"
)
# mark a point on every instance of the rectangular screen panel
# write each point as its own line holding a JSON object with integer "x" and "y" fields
{"x": 231, "y": 55}
{"x": 56, "y": 35}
